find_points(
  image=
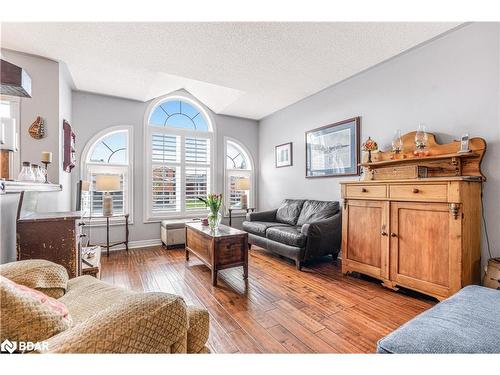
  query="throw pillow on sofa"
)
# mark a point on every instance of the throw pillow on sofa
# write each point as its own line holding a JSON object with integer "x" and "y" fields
{"x": 47, "y": 277}
{"x": 28, "y": 314}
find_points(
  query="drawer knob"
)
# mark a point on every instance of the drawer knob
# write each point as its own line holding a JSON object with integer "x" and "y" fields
{"x": 415, "y": 190}
{"x": 364, "y": 190}
{"x": 384, "y": 233}
{"x": 393, "y": 234}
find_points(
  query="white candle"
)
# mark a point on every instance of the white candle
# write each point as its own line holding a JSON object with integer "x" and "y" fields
{"x": 47, "y": 156}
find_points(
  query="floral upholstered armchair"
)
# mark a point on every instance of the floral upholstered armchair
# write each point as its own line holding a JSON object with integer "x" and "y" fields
{"x": 86, "y": 315}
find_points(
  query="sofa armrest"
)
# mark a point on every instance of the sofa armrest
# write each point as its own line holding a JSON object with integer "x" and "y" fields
{"x": 199, "y": 328}
{"x": 269, "y": 216}
{"x": 47, "y": 277}
{"x": 323, "y": 237}
{"x": 140, "y": 323}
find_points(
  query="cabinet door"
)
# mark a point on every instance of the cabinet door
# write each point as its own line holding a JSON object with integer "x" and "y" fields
{"x": 425, "y": 247}
{"x": 365, "y": 245}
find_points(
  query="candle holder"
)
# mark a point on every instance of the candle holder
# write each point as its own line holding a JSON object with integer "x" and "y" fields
{"x": 46, "y": 163}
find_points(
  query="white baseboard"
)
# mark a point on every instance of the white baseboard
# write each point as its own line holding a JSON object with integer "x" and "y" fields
{"x": 135, "y": 245}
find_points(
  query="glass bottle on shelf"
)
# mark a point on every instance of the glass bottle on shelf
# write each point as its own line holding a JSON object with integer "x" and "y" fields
{"x": 39, "y": 173}
{"x": 26, "y": 173}
{"x": 397, "y": 144}
{"x": 421, "y": 140}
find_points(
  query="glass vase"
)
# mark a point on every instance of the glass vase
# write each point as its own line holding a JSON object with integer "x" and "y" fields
{"x": 214, "y": 220}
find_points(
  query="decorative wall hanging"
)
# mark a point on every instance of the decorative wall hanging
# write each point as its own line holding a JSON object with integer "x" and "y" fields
{"x": 283, "y": 155}
{"x": 69, "y": 151}
{"x": 37, "y": 129}
{"x": 333, "y": 150}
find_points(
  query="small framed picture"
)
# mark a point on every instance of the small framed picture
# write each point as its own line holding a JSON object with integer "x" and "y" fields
{"x": 464, "y": 143}
{"x": 283, "y": 155}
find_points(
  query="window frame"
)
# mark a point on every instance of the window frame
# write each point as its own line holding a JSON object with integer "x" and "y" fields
{"x": 228, "y": 172}
{"x": 15, "y": 108}
{"x": 148, "y": 215}
{"x": 114, "y": 168}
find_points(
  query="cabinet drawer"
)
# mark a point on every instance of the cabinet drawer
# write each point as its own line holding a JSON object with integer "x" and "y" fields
{"x": 417, "y": 192}
{"x": 366, "y": 191}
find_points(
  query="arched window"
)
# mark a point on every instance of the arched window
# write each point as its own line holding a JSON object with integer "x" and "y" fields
{"x": 239, "y": 169}
{"x": 108, "y": 153}
{"x": 178, "y": 143}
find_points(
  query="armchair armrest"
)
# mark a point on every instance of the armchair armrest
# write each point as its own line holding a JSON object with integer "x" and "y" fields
{"x": 198, "y": 330}
{"x": 323, "y": 237}
{"x": 47, "y": 277}
{"x": 140, "y": 323}
{"x": 262, "y": 216}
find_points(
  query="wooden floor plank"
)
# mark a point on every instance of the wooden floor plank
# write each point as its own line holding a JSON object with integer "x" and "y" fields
{"x": 278, "y": 309}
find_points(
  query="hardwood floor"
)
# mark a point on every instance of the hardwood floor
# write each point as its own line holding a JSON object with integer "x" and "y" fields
{"x": 279, "y": 309}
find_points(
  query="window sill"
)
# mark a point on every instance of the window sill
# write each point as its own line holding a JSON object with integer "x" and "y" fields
{"x": 173, "y": 217}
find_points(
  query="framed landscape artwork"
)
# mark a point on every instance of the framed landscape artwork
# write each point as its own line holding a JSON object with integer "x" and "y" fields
{"x": 283, "y": 155}
{"x": 333, "y": 150}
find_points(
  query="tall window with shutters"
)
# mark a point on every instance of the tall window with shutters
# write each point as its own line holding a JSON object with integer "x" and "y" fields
{"x": 238, "y": 166}
{"x": 109, "y": 152}
{"x": 179, "y": 143}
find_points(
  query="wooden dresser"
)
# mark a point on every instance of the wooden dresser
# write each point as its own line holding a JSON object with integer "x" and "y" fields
{"x": 419, "y": 233}
{"x": 52, "y": 236}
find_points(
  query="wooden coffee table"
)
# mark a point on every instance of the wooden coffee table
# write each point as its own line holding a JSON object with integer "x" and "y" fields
{"x": 223, "y": 248}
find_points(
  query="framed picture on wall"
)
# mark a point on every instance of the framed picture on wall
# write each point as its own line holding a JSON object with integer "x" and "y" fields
{"x": 283, "y": 155}
{"x": 333, "y": 150}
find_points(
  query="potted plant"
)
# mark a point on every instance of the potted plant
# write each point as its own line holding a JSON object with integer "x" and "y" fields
{"x": 213, "y": 202}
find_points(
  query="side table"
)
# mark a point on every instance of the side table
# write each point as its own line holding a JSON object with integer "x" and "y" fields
{"x": 91, "y": 261}
{"x": 108, "y": 244}
{"x": 231, "y": 209}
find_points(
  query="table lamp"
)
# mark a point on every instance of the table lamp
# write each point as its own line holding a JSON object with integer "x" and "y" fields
{"x": 107, "y": 183}
{"x": 243, "y": 184}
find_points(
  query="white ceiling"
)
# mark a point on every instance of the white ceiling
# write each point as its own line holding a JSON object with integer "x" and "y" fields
{"x": 241, "y": 69}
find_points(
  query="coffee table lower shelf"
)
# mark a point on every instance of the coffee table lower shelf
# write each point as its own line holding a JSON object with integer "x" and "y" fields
{"x": 223, "y": 248}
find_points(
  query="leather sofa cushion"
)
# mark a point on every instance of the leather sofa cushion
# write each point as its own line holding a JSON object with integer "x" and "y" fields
{"x": 259, "y": 227}
{"x": 317, "y": 210}
{"x": 289, "y": 211}
{"x": 288, "y": 235}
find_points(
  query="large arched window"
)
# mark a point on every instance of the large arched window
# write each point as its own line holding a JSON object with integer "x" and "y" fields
{"x": 238, "y": 167}
{"x": 178, "y": 143}
{"x": 108, "y": 153}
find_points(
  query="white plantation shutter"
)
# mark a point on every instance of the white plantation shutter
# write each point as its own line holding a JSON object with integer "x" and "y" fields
{"x": 165, "y": 194}
{"x": 165, "y": 148}
{"x": 197, "y": 150}
{"x": 196, "y": 186}
{"x": 180, "y": 172}
{"x": 197, "y": 171}
{"x": 165, "y": 173}
{"x": 234, "y": 195}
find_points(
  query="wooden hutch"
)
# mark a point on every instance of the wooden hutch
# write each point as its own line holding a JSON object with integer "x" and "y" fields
{"x": 415, "y": 222}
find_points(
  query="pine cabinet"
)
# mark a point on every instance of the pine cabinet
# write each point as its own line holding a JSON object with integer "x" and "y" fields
{"x": 421, "y": 235}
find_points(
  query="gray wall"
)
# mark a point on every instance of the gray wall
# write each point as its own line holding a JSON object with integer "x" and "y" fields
{"x": 93, "y": 113}
{"x": 451, "y": 84}
{"x": 51, "y": 99}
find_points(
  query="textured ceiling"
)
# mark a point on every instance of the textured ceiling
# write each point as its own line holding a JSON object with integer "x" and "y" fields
{"x": 241, "y": 69}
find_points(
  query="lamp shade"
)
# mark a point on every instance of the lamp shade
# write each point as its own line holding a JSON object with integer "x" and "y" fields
{"x": 106, "y": 182}
{"x": 242, "y": 184}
